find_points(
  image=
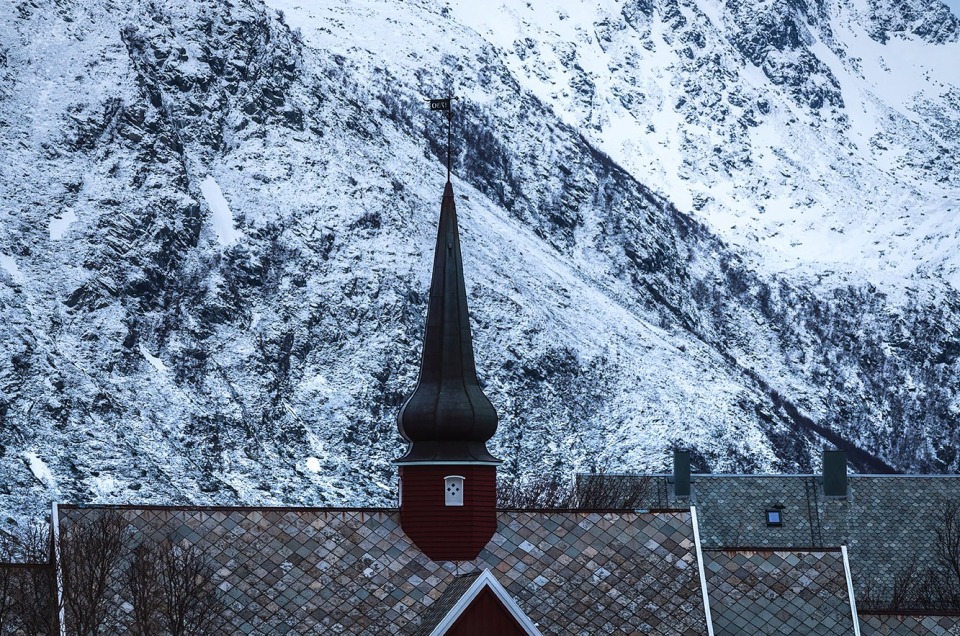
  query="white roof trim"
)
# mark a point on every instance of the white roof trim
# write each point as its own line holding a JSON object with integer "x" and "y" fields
{"x": 853, "y": 600}
{"x": 703, "y": 574}
{"x": 486, "y": 579}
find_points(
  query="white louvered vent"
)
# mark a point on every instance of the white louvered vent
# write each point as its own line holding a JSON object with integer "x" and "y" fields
{"x": 453, "y": 490}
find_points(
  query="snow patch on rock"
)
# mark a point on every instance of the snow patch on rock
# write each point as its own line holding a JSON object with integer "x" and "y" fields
{"x": 60, "y": 224}
{"x": 9, "y": 265}
{"x": 220, "y": 215}
{"x": 40, "y": 470}
{"x": 154, "y": 361}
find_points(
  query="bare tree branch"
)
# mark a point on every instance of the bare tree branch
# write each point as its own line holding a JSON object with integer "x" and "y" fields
{"x": 6, "y": 585}
{"x": 29, "y": 586}
{"x": 191, "y": 604}
{"x": 145, "y": 590}
{"x": 90, "y": 556}
{"x": 614, "y": 492}
{"x": 35, "y": 594}
{"x": 906, "y": 586}
{"x": 590, "y": 492}
{"x": 947, "y": 550}
{"x": 546, "y": 492}
{"x": 936, "y": 588}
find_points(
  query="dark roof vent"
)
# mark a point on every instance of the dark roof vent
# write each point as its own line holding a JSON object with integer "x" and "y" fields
{"x": 835, "y": 473}
{"x": 681, "y": 473}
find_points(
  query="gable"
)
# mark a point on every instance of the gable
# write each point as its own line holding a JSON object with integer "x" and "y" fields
{"x": 483, "y": 608}
{"x": 484, "y": 616}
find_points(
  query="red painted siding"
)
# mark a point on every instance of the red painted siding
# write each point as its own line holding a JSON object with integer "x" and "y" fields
{"x": 448, "y": 533}
{"x": 486, "y": 616}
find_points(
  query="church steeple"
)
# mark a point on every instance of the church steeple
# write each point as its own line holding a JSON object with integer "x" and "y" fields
{"x": 447, "y": 418}
{"x": 448, "y": 479}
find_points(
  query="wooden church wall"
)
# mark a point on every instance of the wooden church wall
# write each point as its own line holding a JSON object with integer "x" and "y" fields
{"x": 486, "y": 616}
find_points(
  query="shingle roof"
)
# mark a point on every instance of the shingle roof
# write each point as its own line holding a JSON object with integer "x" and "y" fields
{"x": 437, "y": 611}
{"x": 886, "y": 521}
{"x": 355, "y": 572}
{"x": 778, "y": 592}
{"x": 732, "y": 511}
{"x": 895, "y": 625}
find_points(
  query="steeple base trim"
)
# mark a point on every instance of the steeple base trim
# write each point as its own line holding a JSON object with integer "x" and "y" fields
{"x": 448, "y": 532}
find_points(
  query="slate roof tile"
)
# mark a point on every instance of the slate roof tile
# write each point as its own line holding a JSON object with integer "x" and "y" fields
{"x": 613, "y": 573}
{"x": 887, "y": 521}
{"x": 894, "y": 625}
{"x": 778, "y": 592}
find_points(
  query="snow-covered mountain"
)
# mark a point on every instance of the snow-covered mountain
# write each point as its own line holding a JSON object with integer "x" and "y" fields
{"x": 767, "y": 119}
{"x": 731, "y": 226}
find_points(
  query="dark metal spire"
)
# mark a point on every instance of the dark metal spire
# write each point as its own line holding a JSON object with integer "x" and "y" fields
{"x": 447, "y": 418}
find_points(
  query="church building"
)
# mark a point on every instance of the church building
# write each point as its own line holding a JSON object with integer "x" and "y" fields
{"x": 448, "y": 562}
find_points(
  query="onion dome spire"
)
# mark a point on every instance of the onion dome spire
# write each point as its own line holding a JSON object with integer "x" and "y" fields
{"x": 447, "y": 418}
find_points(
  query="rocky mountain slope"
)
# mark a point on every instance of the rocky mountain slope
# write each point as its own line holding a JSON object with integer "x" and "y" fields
{"x": 725, "y": 226}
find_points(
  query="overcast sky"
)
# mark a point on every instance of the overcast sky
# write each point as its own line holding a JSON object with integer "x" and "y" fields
{"x": 953, "y": 4}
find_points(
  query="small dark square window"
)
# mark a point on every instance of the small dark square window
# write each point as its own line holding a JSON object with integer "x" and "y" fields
{"x": 774, "y": 518}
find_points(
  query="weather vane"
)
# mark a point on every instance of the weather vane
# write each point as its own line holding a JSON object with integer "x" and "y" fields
{"x": 443, "y": 104}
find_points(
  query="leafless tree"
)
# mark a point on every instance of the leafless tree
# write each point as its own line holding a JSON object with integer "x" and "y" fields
{"x": 35, "y": 591}
{"x": 6, "y": 584}
{"x": 172, "y": 591}
{"x": 191, "y": 605}
{"x": 598, "y": 491}
{"x": 90, "y": 555}
{"x": 145, "y": 590}
{"x": 603, "y": 491}
{"x": 27, "y": 594}
{"x": 547, "y": 492}
{"x": 906, "y": 587}
{"x": 939, "y": 593}
{"x": 947, "y": 548}
{"x": 935, "y": 588}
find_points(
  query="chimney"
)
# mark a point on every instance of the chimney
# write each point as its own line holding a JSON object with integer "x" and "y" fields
{"x": 681, "y": 474}
{"x": 835, "y": 473}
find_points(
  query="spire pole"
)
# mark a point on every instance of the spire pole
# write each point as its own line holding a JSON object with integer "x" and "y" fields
{"x": 449, "y": 128}
{"x": 443, "y": 105}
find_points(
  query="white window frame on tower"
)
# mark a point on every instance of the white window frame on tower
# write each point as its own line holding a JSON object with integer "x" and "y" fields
{"x": 453, "y": 490}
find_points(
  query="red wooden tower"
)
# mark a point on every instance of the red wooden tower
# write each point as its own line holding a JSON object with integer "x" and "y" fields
{"x": 448, "y": 479}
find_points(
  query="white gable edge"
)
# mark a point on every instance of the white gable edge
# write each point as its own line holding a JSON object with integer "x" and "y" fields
{"x": 695, "y": 522}
{"x": 853, "y": 599}
{"x": 486, "y": 579}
